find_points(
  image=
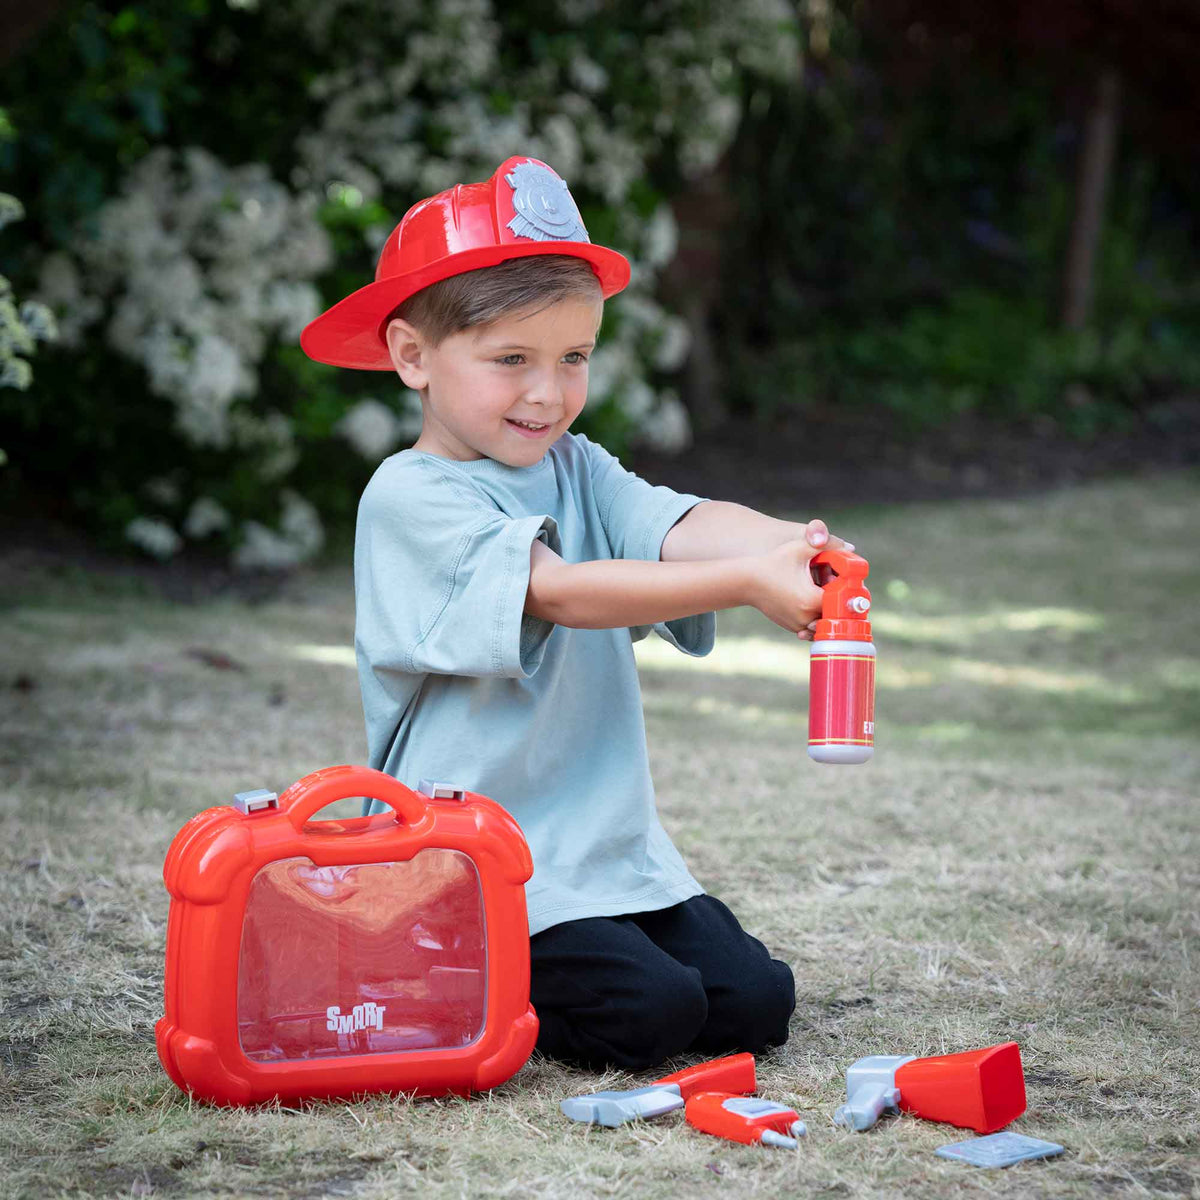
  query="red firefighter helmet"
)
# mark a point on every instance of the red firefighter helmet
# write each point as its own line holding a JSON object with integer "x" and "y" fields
{"x": 524, "y": 209}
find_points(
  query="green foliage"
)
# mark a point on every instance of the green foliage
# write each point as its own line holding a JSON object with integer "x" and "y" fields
{"x": 893, "y": 245}
{"x": 986, "y": 353}
{"x": 199, "y": 174}
{"x": 904, "y": 249}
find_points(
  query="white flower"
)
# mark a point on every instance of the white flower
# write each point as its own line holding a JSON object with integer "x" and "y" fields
{"x": 16, "y": 373}
{"x": 587, "y": 74}
{"x": 668, "y": 427}
{"x": 300, "y": 536}
{"x": 203, "y": 380}
{"x": 558, "y": 143}
{"x": 636, "y": 399}
{"x": 11, "y": 209}
{"x": 372, "y": 429}
{"x": 14, "y": 337}
{"x": 610, "y": 363}
{"x": 704, "y": 142}
{"x": 639, "y": 312}
{"x": 154, "y": 536}
{"x": 675, "y": 340}
{"x": 39, "y": 320}
{"x": 289, "y": 306}
{"x": 204, "y": 517}
{"x": 661, "y": 238}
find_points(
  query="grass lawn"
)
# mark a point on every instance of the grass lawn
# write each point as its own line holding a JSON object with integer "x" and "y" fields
{"x": 1020, "y": 861}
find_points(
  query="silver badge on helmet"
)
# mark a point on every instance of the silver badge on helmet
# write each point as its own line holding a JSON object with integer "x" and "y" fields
{"x": 546, "y": 211}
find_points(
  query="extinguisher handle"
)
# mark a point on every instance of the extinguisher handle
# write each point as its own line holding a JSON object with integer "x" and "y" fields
{"x": 842, "y": 562}
{"x": 312, "y": 793}
{"x": 845, "y": 597}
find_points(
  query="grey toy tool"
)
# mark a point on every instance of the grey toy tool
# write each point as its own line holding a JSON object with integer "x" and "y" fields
{"x": 999, "y": 1150}
{"x": 615, "y": 1108}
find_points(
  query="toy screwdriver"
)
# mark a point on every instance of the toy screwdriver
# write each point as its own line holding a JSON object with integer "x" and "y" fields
{"x": 745, "y": 1119}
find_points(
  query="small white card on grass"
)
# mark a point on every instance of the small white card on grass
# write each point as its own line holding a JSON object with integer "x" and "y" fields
{"x": 1000, "y": 1150}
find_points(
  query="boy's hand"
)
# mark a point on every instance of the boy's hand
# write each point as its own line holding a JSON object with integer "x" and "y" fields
{"x": 784, "y": 589}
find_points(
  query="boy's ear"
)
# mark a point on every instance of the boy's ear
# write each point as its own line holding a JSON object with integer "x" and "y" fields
{"x": 406, "y": 347}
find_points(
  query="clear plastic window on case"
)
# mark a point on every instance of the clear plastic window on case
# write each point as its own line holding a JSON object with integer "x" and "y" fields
{"x": 371, "y": 958}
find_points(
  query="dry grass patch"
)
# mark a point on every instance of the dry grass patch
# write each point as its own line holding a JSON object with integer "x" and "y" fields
{"x": 1020, "y": 861}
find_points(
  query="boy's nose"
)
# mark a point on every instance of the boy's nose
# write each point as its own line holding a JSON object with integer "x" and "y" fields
{"x": 544, "y": 390}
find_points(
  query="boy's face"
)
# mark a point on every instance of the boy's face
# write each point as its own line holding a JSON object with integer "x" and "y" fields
{"x": 505, "y": 391}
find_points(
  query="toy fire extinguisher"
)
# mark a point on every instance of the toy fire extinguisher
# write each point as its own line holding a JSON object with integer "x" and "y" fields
{"x": 841, "y": 713}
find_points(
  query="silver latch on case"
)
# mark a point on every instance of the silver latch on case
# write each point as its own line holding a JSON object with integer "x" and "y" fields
{"x": 255, "y": 801}
{"x": 440, "y": 791}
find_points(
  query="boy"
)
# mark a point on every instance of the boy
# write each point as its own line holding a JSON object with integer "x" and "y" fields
{"x": 503, "y": 568}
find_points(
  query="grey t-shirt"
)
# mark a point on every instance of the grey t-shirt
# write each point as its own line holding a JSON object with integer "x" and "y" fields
{"x": 461, "y": 686}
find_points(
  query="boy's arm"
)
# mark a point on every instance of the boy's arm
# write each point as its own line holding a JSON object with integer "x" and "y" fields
{"x": 613, "y": 593}
{"x": 719, "y": 529}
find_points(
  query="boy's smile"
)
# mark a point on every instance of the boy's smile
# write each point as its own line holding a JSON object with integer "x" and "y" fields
{"x": 505, "y": 391}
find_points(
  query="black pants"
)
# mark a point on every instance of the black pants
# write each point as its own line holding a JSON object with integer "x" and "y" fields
{"x": 634, "y": 990}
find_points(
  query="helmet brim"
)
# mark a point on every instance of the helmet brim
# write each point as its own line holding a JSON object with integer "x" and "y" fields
{"x": 351, "y": 333}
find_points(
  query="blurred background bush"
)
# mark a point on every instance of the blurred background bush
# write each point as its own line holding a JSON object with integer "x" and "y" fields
{"x": 894, "y": 206}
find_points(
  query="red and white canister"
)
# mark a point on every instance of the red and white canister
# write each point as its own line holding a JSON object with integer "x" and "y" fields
{"x": 841, "y": 709}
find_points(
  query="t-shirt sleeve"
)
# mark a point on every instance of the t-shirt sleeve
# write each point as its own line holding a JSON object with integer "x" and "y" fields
{"x": 636, "y": 517}
{"x": 440, "y": 578}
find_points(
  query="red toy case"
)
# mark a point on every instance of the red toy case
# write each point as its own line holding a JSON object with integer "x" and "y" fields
{"x": 378, "y": 954}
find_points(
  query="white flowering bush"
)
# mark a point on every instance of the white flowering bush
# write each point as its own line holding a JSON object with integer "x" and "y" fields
{"x": 193, "y": 269}
{"x": 199, "y": 273}
{"x": 421, "y": 109}
{"x": 22, "y": 326}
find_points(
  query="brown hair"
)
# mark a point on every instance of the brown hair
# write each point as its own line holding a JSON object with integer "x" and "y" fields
{"x": 480, "y": 297}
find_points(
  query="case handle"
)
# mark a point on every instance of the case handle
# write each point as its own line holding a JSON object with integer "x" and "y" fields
{"x": 312, "y": 793}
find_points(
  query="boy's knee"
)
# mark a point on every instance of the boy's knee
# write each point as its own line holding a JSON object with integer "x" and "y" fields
{"x": 775, "y": 1001}
{"x": 665, "y": 1020}
{"x": 634, "y": 1028}
{"x": 753, "y": 1013}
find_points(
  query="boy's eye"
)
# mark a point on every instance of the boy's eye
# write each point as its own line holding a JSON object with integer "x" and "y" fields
{"x": 575, "y": 357}
{"x": 511, "y": 360}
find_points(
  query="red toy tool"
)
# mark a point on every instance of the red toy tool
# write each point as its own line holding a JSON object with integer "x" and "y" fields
{"x": 745, "y": 1119}
{"x": 979, "y": 1089}
{"x": 733, "y": 1075}
{"x": 841, "y": 704}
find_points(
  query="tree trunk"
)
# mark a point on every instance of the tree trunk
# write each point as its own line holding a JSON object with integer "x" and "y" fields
{"x": 1095, "y": 167}
{"x": 691, "y": 283}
